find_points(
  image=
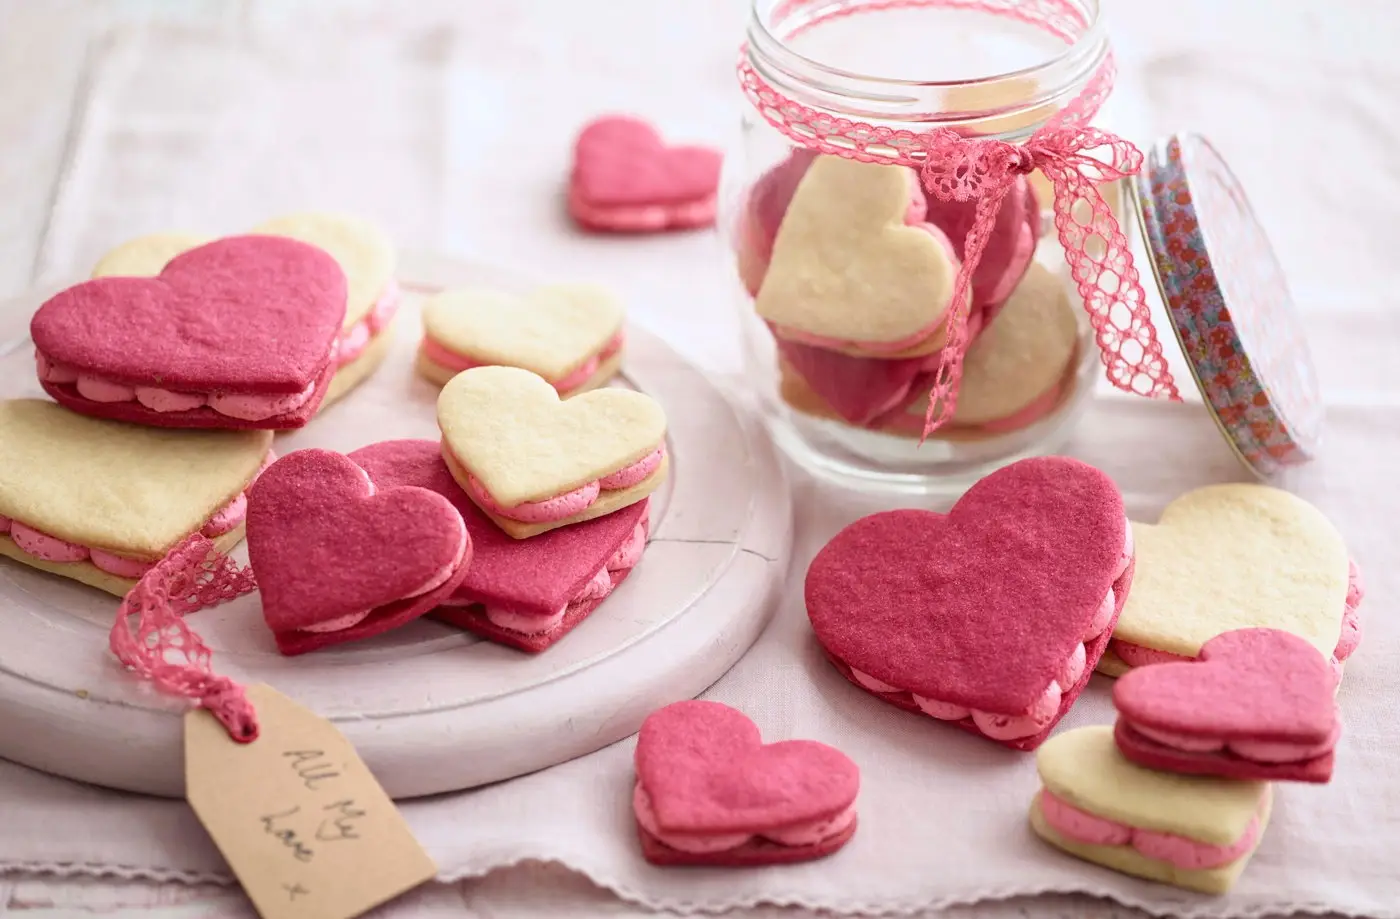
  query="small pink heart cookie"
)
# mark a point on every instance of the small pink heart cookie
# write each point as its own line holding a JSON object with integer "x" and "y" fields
{"x": 1257, "y": 704}
{"x": 338, "y": 559}
{"x": 991, "y": 616}
{"x": 239, "y": 333}
{"x": 710, "y": 792}
{"x": 524, "y": 593}
{"x": 627, "y": 180}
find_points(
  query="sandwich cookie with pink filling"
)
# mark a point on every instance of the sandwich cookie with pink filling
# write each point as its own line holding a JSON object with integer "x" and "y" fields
{"x": 1194, "y": 832}
{"x": 855, "y": 267}
{"x": 338, "y": 559}
{"x": 990, "y": 617}
{"x": 238, "y": 333}
{"x": 525, "y": 593}
{"x": 710, "y": 792}
{"x": 1237, "y": 556}
{"x": 570, "y": 334}
{"x": 362, "y": 250}
{"x": 1257, "y": 704}
{"x": 627, "y": 180}
{"x": 533, "y": 462}
{"x": 101, "y": 502}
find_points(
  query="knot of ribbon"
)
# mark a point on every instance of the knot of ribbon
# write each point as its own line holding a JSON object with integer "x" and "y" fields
{"x": 1076, "y": 159}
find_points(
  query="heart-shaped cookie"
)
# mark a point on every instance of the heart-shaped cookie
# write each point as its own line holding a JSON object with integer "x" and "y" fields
{"x": 363, "y": 250}
{"x": 990, "y": 616}
{"x": 553, "y": 331}
{"x": 145, "y": 256}
{"x": 1192, "y": 831}
{"x": 242, "y": 328}
{"x": 625, "y": 178}
{"x": 513, "y": 444}
{"x": 516, "y": 580}
{"x": 705, "y": 773}
{"x": 338, "y": 559}
{"x": 1228, "y": 557}
{"x": 115, "y": 491}
{"x": 847, "y": 267}
{"x": 1258, "y": 704}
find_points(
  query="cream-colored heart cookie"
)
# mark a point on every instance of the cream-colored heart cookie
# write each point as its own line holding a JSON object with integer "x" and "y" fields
{"x": 535, "y": 462}
{"x": 145, "y": 256}
{"x": 1022, "y": 354}
{"x": 72, "y": 482}
{"x": 552, "y": 331}
{"x": 1082, "y": 770}
{"x": 846, "y": 267}
{"x": 1231, "y": 557}
{"x": 363, "y": 250}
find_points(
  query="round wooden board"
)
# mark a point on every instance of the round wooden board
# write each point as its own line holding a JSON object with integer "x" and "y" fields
{"x": 429, "y": 708}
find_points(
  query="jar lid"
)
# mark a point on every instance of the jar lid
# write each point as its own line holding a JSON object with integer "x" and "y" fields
{"x": 1229, "y": 305}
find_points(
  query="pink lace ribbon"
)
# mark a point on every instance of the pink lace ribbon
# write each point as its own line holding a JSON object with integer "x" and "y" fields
{"x": 960, "y": 169}
{"x": 151, "y": 639}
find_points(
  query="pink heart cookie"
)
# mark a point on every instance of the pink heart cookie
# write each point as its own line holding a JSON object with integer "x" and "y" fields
{"x": 991, "y": 616}
{"x": 238, "y": 333}
{"x": 710, "y": 792}
{"x": 338, "y": 559}
{"x": 626, "y": 179}
{"x": 525, "y": 593}
{"x": 1256, "y": 704}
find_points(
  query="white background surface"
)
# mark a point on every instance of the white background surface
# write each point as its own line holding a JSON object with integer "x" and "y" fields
{"x": 450, "y": 122}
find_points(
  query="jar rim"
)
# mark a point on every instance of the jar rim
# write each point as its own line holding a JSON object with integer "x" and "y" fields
{"x": 1055, "y": 80}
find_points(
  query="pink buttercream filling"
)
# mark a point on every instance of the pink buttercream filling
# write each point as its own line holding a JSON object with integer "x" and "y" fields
{"x": 1135, "y": 655}
{"x": 808, "y": 833}
{"x": 597, "y": 588}
{"x": 645, "y": 216}
{"x": 244, "y": 406}
{"x": 439, "y": 578}
{"x": 1258, "y": 751}
{"x": 52, "y": 549}
{"x": 561, "y": 507}
{"x": 1043, "y": 710}
{"x": 1175, "y": 850}
{"x": 444, "y": 356}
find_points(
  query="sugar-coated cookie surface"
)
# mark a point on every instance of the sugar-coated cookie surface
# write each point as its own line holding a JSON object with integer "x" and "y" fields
{"x": 548, "y": 580}
{"x": 846, "y": 265}
{"x": 145, "y": 256}
{"x": 710, "y": 792}
{"x": 338, "y": 559}
{"x": 552, "y": 331}
{"x": 1192, "y": 831}
{"x": 131, "y": 490}
{"x": 1022, "y": 353}
{"x": 1258, "y": 704}
{"x": 990, "y": 617}
{"x": 1229, "y": 557}
{"x": 514, "y": 445}
{"x": 363, "y": 250}
{"x": 626, "y": 179}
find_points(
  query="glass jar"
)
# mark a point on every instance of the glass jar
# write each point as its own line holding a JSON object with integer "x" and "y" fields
{"x": 846, "y": 337}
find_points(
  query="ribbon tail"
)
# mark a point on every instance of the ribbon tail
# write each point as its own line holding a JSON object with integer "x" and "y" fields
{"x": 1101, "y": 264}
{"x": 943, "y": 397}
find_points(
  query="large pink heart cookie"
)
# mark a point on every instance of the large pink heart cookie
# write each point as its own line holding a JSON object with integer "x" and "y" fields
{"x": 991, "y": 616}
{"x": 1257, "y": 704}
{"x": 525, "y": 593}
{"x": 338, "y": 559}
{"x": 710, "y": 792}
{"x": 238, "y": 333}
{"x": 626, "y": 179}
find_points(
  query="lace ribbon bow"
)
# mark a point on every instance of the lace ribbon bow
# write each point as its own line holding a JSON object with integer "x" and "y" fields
{"x": 161, "y": 648}
{"x": 958, "y": 169}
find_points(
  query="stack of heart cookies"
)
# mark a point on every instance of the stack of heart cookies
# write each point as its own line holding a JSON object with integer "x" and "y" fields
{"x": 852, "y": 268}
